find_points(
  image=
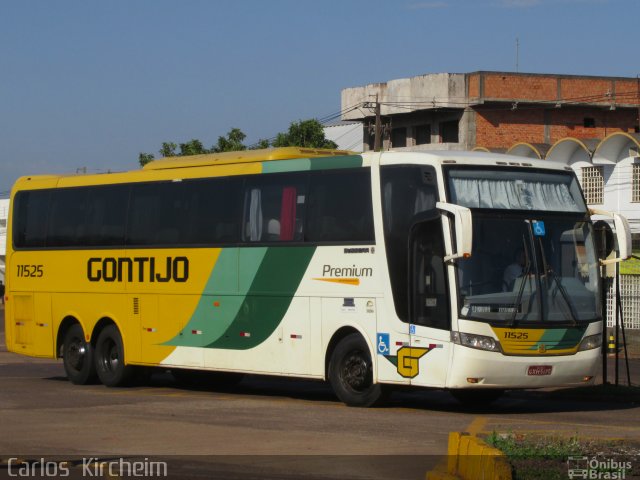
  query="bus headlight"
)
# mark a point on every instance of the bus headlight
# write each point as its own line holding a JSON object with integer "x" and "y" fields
{"x": 479, "y": 342}
{"x": 590, "y": 342}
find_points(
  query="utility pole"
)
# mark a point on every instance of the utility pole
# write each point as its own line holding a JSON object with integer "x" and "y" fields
{"x": 377, "y": 143}
{"x": 517, "y": 54}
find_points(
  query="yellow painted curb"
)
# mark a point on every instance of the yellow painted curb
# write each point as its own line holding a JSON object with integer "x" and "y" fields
{"x": 469, "y": 458}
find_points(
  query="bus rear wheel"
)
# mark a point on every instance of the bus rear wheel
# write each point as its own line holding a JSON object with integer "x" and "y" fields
{"x": 77, "y": 357}
{"x": 109, "y": 358}
{"x": 351, "y": 373}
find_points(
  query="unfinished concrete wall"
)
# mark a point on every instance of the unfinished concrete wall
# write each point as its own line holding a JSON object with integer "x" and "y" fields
{"x": 405, "y": 95}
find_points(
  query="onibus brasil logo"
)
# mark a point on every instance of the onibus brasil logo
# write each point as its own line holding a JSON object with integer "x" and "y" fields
{"x": 594, "y": 468}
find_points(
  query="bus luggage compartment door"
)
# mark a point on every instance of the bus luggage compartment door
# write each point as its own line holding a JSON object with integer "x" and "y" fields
{"x": 33, "y": 331}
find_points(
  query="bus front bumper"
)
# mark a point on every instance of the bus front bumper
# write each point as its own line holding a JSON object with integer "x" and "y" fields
{"x": 473, "y": 368}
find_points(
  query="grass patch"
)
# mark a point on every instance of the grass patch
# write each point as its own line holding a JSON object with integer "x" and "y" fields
{"x": 631, "y": 266}
{"x": 539, "y": 457}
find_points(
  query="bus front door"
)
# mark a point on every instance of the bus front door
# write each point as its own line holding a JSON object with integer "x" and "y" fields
{"x": 427, "y": 360}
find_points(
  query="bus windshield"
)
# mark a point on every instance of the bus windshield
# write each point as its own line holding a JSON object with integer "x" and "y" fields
{"x": 534, "y": 257}
{"x": 516, "y": 190}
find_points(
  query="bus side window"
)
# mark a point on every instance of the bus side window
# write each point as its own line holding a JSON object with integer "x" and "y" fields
{"x": 274, "y": 208}
{"x": 340, "y": 208}
{"x": 215, "y": 215}
{"x": 409, "y": 194}
{"x": 67, "y": 217}
{"x": 429, "y": 306}
{"x": 30, "y": 219}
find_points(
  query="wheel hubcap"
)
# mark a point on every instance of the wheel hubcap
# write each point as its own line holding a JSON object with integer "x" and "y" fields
{"x": 356, "y": 371}
{"x": 111, "y": 358}
{"x": 76, "y": 353}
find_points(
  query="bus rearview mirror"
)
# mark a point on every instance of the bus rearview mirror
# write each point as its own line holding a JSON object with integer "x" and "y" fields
{"x": 622, "y": 234}
{"x": 462, "y": 229}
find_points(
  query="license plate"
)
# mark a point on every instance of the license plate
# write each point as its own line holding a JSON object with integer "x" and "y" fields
{"x": 537, "y": 370}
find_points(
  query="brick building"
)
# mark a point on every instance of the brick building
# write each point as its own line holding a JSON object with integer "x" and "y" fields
{"x": 493, "y": 110}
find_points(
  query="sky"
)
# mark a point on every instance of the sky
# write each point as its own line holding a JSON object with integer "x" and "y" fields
{"x": 88, "y": 84}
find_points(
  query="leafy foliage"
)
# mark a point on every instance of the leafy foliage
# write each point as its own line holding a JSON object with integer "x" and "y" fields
{"x": 305, "y": 133}
{"x": 262, "y": 143}
{"x": 192, "y": 147}
{"x": 144, "y": 158}
{"x": 231, "y": 143}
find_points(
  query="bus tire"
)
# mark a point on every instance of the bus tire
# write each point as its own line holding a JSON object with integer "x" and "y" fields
{"x": 109, "y": 358}
{"x": 351, "y": 373}
{"x": 77, "y": 357}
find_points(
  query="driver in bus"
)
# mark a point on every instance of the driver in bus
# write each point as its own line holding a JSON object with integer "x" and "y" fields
{"x": 513, "y": 271}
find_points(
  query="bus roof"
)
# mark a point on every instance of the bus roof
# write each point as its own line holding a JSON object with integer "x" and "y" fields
{"x": 244, "y": 156}
{"x": 165, "y": 168}
{"x": 481, "y": 159}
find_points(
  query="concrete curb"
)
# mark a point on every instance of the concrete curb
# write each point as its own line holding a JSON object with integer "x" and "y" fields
{"x": 469, "y": 458}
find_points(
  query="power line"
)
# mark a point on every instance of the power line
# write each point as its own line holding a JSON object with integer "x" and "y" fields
{"x": 322, "y": 120}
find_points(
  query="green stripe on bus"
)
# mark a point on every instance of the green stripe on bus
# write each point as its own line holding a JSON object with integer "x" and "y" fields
{"x": 560, "y": 338}
{"x": 222, "y": 297}
{"x": 346, "y": 161}
{"x": 275, "y": 166}
{"x": 322, "y": 163}
{"x": 268, "y": 299}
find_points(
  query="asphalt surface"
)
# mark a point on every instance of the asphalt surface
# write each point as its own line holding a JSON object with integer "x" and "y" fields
{"x": 265, "y": 427}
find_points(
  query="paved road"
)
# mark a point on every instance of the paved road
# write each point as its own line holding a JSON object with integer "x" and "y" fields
{"x": 265, "y": 427}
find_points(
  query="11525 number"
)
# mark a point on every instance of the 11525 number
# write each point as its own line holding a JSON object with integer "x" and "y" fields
{"x": 32, "y": 271}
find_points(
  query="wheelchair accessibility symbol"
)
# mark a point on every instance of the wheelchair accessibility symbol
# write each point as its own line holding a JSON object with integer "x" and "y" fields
{"x": 382, "y": 343}
{"x": 538, "y": 228}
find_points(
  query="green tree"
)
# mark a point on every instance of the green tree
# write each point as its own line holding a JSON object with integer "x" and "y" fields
{"x": 192, "y": 147}
{"x": 168, "y": 149}
{"x": 231, "y": 143}
{"x": 305, "y": 133}
{"x": 262, "y": 143}
{"x": 144, "y": 158}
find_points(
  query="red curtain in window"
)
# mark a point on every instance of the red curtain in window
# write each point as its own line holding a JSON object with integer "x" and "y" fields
{"x": 288, "y": 213}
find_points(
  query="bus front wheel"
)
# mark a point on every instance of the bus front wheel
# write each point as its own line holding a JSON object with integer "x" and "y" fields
{"x": 351, "y": 373}
{"x": 77, "y": 357}
{"x": 109, "y": 358}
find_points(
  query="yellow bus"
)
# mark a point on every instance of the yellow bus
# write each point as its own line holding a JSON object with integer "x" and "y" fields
{"x": 466, "y": 271}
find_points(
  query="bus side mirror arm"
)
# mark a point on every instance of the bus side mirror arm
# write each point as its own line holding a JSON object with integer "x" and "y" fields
{"x": 463, "y": 229}
{"x": 623, "y": 234}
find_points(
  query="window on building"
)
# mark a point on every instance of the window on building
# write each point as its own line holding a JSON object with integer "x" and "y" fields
{"x": 593, "y": 185}
{"x": 423, "y": 134}
{"x": 371, "y": 137}
{"x": 589, "y": 122}
{"x": 399, "y": 137}
{"x": 635, "y": 183}
{"x": 449, "y": 131}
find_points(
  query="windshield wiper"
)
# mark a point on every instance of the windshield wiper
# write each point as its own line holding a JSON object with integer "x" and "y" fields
{"x": 549, "y": 271}
{"x": 525, "y": 276}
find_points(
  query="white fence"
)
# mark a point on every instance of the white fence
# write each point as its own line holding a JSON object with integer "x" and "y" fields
{"x": 630, "y": 299}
